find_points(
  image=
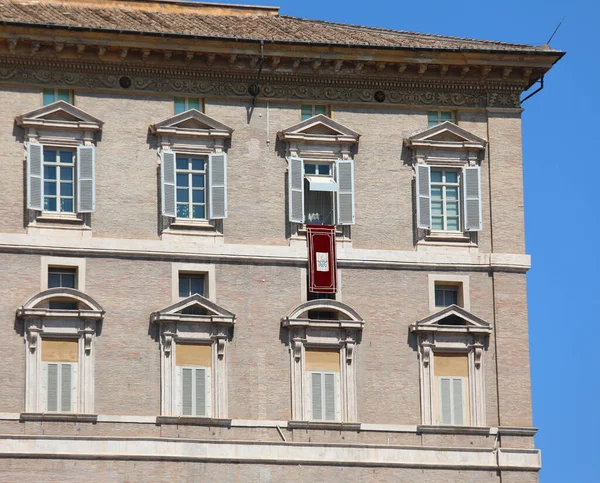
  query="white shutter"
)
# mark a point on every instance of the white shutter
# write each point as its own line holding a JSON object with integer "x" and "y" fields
{"x": 52, "y": 394}
{"x": 35, "y": 176}
{"x": 316, "y": 396}
{"x": 423, "y": 184}
{"x": 66, "y": 388}
{"x": 472, "y": 198}
{"x": 458, "y": 401}
{"x": 200, "y": 396}
{"x": 445, "y": 401}
{"x": 217, "y": 185}
{"x": 329, "y": 390}
{"x": 168, "y": 182}
{"x": 86, "y": 184}
{"x": 296, "y": 189}
{"x": 186, "y": 391}
{"x": 345, "y": 178}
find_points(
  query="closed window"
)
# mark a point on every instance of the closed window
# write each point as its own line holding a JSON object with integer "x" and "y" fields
{"x": 190, "y": 284}
{"x": 59, "y": 365}
{"x": 437, "y": 117}
{"x": 59, "y": 176}
{"x": 182, "y": 104}
{"x": 446, "y": 295}
{"x": 323, "y": 378}
{"x": 51, "y": 95}
{"x": 445, "y": 200}
{"x": 194, "y": 363}
{"x": 452, "y": 376}
{"x": 191, "y": 183}
{"x": 62, "y": 277}
{"x": 310, "y": 110}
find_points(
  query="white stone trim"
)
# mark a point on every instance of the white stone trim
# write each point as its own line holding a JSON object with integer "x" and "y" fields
{"x": 205, "y": 268}
{"x": 154, "y": 449}
{"x": 462, "y": 280}
{"x": 68, "y": 262}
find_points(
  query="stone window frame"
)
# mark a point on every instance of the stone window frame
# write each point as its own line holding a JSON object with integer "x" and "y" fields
{"x": 471, "y": 339}
{"x": 60, "y": 125}
{"x": 78, "y": 264}
{"x": 41, "y": 322}
{"x": 214, "y": 329}
{"x": 206, "y": 269}
{"x": 342, "y": 334}
{"x": 461, "y": 281}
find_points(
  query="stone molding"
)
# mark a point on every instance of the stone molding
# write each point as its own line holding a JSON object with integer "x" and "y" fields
{"x": 64, "y": 418}
{"x": 192, "y": 421}
{"x": 168, "y": 449}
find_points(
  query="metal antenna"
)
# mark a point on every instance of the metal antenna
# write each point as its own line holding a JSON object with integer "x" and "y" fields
{"x": 555, "y": 30}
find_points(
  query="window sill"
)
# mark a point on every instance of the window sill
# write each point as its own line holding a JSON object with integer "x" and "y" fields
{"x": 516, "y": 431}
{"x": 440, "y": 238}
{"x": 443, "y": 429}
{"x": 50, "y": 217}
{"x": 59, "y": 417}
{"x": 193, "y": 421}
{"x": 324, "y": 425}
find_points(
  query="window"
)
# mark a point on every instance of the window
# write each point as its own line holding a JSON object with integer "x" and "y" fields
{"x": 182, "y": 104}
{"x": 191, "y": 283}
{"x": 59, "y": 173}
{"x": 445, "y": 200}
{"x": 446, "y": 295}
{"x": 452, "y": 376}
{"x": 310, "y": 110}
{"x": 60, "y": 360}
{"x": 437, "y": 117}
{"x": 62, "y": 277}
{"x": 51, "y": 95}
{"x": 191, "y": 181}
{"x": 319, "y": 203}
{"x": 323, "y": 381}
{"x": 194, "y": 362}
{"x": 448, "y": 289}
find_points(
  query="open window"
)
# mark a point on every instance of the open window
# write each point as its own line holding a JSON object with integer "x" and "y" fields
{"x": 448, "y": 181}
{"x": 323, "y": 335}
{"x": 320, "y": 172}
{"x": 60, "y": 325}
{"x": 452, "y": 345}
{"x": 194, "y": 334}
{"x": 61, "y": 162}
{"x": 193, "y": 172}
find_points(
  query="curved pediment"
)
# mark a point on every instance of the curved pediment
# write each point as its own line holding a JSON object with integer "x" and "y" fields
{"x": 62, "y": 115}
{"x": 194, "y": 308}
{"x": 323, "y": 313}
{"x": 192, "y": 123}
{"x": 319, "y": 128}
{"x": 452, "y": 319}
{"x": 446, "y": 135}
{"x": 40, "y": 304}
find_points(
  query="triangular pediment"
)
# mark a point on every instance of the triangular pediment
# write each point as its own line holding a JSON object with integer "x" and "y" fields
{"x": 192, "y": 122}
{"x": 319, "y": 128}
{"x": 452, "y": 318}
{"x": 60, "y": 114}
{"x": 195, "y": 307}
{"x": 446, "y": 134}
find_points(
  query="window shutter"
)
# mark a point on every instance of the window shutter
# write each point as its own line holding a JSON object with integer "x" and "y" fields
{"x": 86, "y": 183}
{"x": 345, "y": 178}
{"x": 316, "y": 396}
{"x": 296, "y": 189}
{"x": 445, "y": 401}
{"x": 186, "y": 391}
{"x": 35, "y": 178}
{"x": 472, "y": 197}
{"x": 65, "y": 387}
{"x": 217, "y": 182}
{"x": 330, "y": 397}
{"x": 52, "y": 395}
{"x": 167, "y": 172}
{"x": 423, "y": 183}
{"x": 457, "y": 401}
{"x": 201, "y": 392}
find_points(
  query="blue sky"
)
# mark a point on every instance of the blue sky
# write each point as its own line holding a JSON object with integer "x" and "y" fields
{"x": 562, "y": 170}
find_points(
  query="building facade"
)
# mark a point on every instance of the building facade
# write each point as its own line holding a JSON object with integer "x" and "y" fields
{"x": 163, "y": 166}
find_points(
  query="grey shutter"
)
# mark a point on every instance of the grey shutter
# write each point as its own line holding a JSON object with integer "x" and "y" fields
{"x": 35, "y": 178}
{"x": 186, "y": 391}
{"x": 65, "y": 387}
{"x": 52, "y": 397}
{"x": 168, "y": 182}
{"x": 330, "y": 397}
{"x": 445, "y": 401}
{"x": 86, "y": 184}
{"x": 217, "y": 182}
{"x": 457, "y": 401}
{"x": 472, "y": 198}
{"x": 316, "y": 396}
{"x": 296, "y": 189}
{"x": 201, "y": 392}
{"x": 423, "y": 183}
{"x": 345, "y": 178}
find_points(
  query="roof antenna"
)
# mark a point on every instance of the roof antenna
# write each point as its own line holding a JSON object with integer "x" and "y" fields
{"x": 555, "y": 30}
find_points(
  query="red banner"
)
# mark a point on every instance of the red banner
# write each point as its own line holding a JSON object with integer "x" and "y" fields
{"x": 322, "y": 263}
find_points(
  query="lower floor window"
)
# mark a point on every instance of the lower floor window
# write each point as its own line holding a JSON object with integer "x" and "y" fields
{"x": 452, "y": 374}
{"x": 59, "y": 363}
{"x": 323, "y": 374}
{"x": 194, "y": 364}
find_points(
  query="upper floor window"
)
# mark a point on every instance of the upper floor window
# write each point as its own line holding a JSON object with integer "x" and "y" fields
{"x": 191, "y": 182}
{"x": 53, "y": 94}
{"x": 437, "y": 117}
{"x": 59, "y": 176}
{"x": 445, "y": 200}
{"x": 320, "y": 188}
{"x": 182, "y": 104}
{"x": 62, "y": 277}
{"x": 310, "y": 110}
